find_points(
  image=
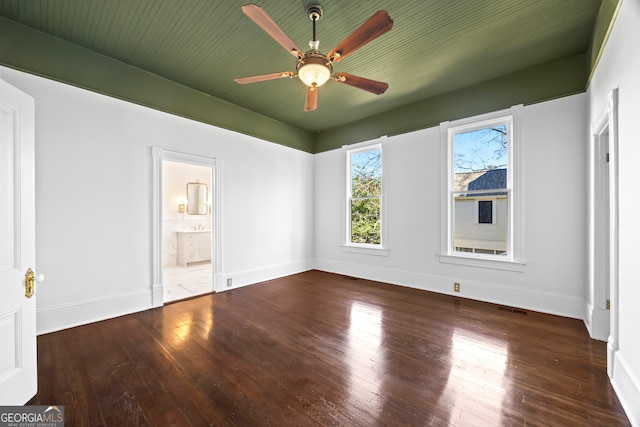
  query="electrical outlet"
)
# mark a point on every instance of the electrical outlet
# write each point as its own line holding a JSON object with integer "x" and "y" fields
{"x": 229, "y": 282}
{"x": 456, "y": 287}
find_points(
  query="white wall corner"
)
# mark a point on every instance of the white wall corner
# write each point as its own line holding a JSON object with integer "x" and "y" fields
{"x": 251, "y": 277}
{"x": 586, "y": 318}
{"x": 627, "y": 387}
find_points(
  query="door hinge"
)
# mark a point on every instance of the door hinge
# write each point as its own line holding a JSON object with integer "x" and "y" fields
{"x": 607, "y": 160}
{"x": 608, "y": 304}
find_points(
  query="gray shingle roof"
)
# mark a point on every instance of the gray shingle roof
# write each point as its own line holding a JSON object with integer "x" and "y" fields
{"x": 491, "y": 179}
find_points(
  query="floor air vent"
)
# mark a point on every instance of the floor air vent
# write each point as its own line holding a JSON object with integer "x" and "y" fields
{"x": 512, "y": 310}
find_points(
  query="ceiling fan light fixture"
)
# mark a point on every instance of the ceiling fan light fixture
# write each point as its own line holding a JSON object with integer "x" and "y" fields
{"x": 312, "y": 67}
{"x": 314, "y": 70}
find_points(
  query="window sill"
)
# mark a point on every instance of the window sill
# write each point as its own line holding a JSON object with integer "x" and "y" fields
{"x": 365, "y": 250}
{"x": 497, "y": 264}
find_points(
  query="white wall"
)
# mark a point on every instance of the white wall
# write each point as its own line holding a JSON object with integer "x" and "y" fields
{"x": 93, "y": 200}
{"x": 555, "y": 172}
{"x": 619, "y": 67}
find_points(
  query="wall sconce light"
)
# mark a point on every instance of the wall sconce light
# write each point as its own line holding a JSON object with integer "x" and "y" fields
{"x": 181, "y": 208}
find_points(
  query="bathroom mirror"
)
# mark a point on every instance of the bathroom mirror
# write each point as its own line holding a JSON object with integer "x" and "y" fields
{"x": 197, "y": 194}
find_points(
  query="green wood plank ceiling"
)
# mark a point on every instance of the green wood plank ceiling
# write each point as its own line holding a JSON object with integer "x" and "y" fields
{"x": 443, "y": 59}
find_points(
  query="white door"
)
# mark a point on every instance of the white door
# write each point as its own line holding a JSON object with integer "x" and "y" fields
{"x": 18, "y": 362}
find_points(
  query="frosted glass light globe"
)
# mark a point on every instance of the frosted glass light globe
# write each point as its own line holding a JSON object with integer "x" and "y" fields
{"x": 314, "y": 71}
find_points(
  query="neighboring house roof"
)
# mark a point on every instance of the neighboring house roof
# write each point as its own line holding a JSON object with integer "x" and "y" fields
{"x": 462, "y": 180}
{"x": 491, "y": 179}
{"x": 481, "y": 180}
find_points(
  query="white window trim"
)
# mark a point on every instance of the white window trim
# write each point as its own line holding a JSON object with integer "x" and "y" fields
{"x": 361, "y": 248}
{"x": 515, "y": 260}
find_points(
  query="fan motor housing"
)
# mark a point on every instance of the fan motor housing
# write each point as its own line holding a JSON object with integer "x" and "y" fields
{"x": 314, "y": 57}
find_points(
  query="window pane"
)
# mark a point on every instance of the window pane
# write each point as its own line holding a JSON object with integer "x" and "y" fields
{"x": 365, "y": 221}
{"x": 471, "y": 236}
{"x": 480, "y": 213}
{"x": 485, "y": 211}
{"x": 480, "y": 158}
{"x": 366, "y": 173}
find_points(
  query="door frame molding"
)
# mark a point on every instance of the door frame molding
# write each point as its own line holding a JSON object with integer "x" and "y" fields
{"x": 159, "y": 155}
{"x": 607, "y": 121}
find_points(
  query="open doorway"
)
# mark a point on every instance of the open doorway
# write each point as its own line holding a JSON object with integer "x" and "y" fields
{"x": 186, "y": 221}
{"x": 186, "y": 230}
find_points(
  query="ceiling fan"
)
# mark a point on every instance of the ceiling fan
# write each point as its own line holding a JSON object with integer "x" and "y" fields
{"x": 314, "y": 68}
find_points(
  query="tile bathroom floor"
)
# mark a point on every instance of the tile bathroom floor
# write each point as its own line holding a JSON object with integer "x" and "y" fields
{"x": 187, "y": 282}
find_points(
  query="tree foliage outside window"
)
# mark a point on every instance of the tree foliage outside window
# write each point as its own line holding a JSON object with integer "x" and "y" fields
{"x": 481, "y": 149}
{"x": 365, "y": 196}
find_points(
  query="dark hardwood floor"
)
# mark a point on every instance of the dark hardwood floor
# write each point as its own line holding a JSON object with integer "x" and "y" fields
{"x": 323, "y": 349}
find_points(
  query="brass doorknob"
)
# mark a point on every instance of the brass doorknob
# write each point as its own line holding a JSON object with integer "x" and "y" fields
{"x": 29, "y": 282}
{"x": 29, "y": 278}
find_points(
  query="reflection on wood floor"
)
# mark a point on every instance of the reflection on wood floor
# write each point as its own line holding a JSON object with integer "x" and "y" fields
{"x": 322, "y": 349}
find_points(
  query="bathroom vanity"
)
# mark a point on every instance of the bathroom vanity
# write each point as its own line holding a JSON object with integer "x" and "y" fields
{"x": 193, "y": 246}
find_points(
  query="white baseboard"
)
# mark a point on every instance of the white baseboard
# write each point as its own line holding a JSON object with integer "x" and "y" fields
{"x": 157, "y": 295}
{"x": 51, "y": 319}
{"x": 627, "y": 387}
{"x": 257, "y": 275}
{"x": 63, "y": 316}
{"x": 597, "y": 322}
{"x": 482, "y": 291}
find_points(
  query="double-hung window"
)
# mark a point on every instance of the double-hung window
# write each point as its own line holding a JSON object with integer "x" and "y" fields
{"x": 482, "y": 216}
{"x": 364, "y": 199}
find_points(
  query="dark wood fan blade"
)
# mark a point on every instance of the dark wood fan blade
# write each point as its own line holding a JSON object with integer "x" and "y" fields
{"x": 373, "y": 86}
{"x": 373, "y": 28}
{"x": 264, "y": 21}
{"x": 264, "y": 77}
{"x": 311, "y": 101}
